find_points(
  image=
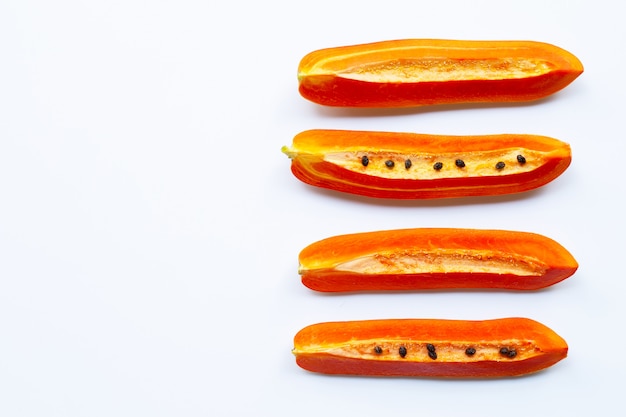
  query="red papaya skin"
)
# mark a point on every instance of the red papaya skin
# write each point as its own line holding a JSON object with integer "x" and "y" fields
{"x": 419, "y": 72}
{"x": 496, "y": 348}
{"x": 434, "y": 259}
{"x": 399, "y": 165}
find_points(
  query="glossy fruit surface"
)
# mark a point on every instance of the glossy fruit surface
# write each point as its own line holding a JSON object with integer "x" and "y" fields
{"x": 419, "y": 166}
{"x": 434, "y": 258}
{"x": 429, "y": 347}
{"x": 417, "y": 72}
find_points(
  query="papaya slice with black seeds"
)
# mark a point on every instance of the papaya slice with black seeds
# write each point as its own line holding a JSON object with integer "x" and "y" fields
{"x": 399, "y": 165}
{"x": 504, "y": 347}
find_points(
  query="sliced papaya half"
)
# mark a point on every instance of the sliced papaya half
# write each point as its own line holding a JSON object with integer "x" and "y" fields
{"x": 417, "y": 72}
{"x": 399, "y": 165}
{"x": 434, "y": 258}
{"x": 429, "y": 348}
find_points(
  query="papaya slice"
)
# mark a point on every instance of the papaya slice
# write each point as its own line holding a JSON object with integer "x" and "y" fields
{"x": 434, "y": 258}
{"x": 429, "y": 348}
{"x": 417, "y": 72}
{"x": 419, "y": 166}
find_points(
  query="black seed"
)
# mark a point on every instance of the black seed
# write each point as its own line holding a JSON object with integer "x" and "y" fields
{"x": 460, "y": 163}
{"x": 402, "y": 351}
{"x": 500, "y": 165}
{"x": 365, "y": 160}
{"x": 438, "y": 166}
{"x": 389, "y": 164}
{"x": 430, "y": 347}
{"x": 470, "y": 351}
{"x": 521, "y": 159}
{"x": 432, "y": 355}
{"x": 408, "y": 163}
{"x": 504, "y": 351}
{"x": 512, "y": 353}
{"x": 378, "y": 350}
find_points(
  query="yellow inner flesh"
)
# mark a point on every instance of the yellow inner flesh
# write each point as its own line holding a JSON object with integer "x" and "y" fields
{"x": 441, "y": 70}
{"x": 443, "y": 261}
{"x": 417, "y": 351}
{"x": 477, "y": 164}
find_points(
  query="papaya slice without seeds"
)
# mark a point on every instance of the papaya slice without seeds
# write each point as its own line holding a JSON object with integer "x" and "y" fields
{"x": 417, "y": 72}
{"x": 434, "y": 258}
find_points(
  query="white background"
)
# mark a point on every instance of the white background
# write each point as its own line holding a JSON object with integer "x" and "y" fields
{"x": 150, "y": 225}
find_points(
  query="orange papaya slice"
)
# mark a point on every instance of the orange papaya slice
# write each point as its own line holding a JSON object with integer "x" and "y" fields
{"x": 417, "y": 72}
{"x": 429, "y": 348}
{"x": 419, "y": 166}
{"x": 434, "y": 258}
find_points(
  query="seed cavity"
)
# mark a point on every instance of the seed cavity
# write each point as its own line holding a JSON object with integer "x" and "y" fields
{"x": 402, "y": 351}
{"x": 438, "y": 166}
{"x": 378, "y": 350}
{"x": 470, "y": 351}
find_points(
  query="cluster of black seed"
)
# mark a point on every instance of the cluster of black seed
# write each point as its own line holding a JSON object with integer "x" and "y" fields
{"x": 439, "y": 165}
{"x": 505, "y": 351}
{"x": 432, "y": 353}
